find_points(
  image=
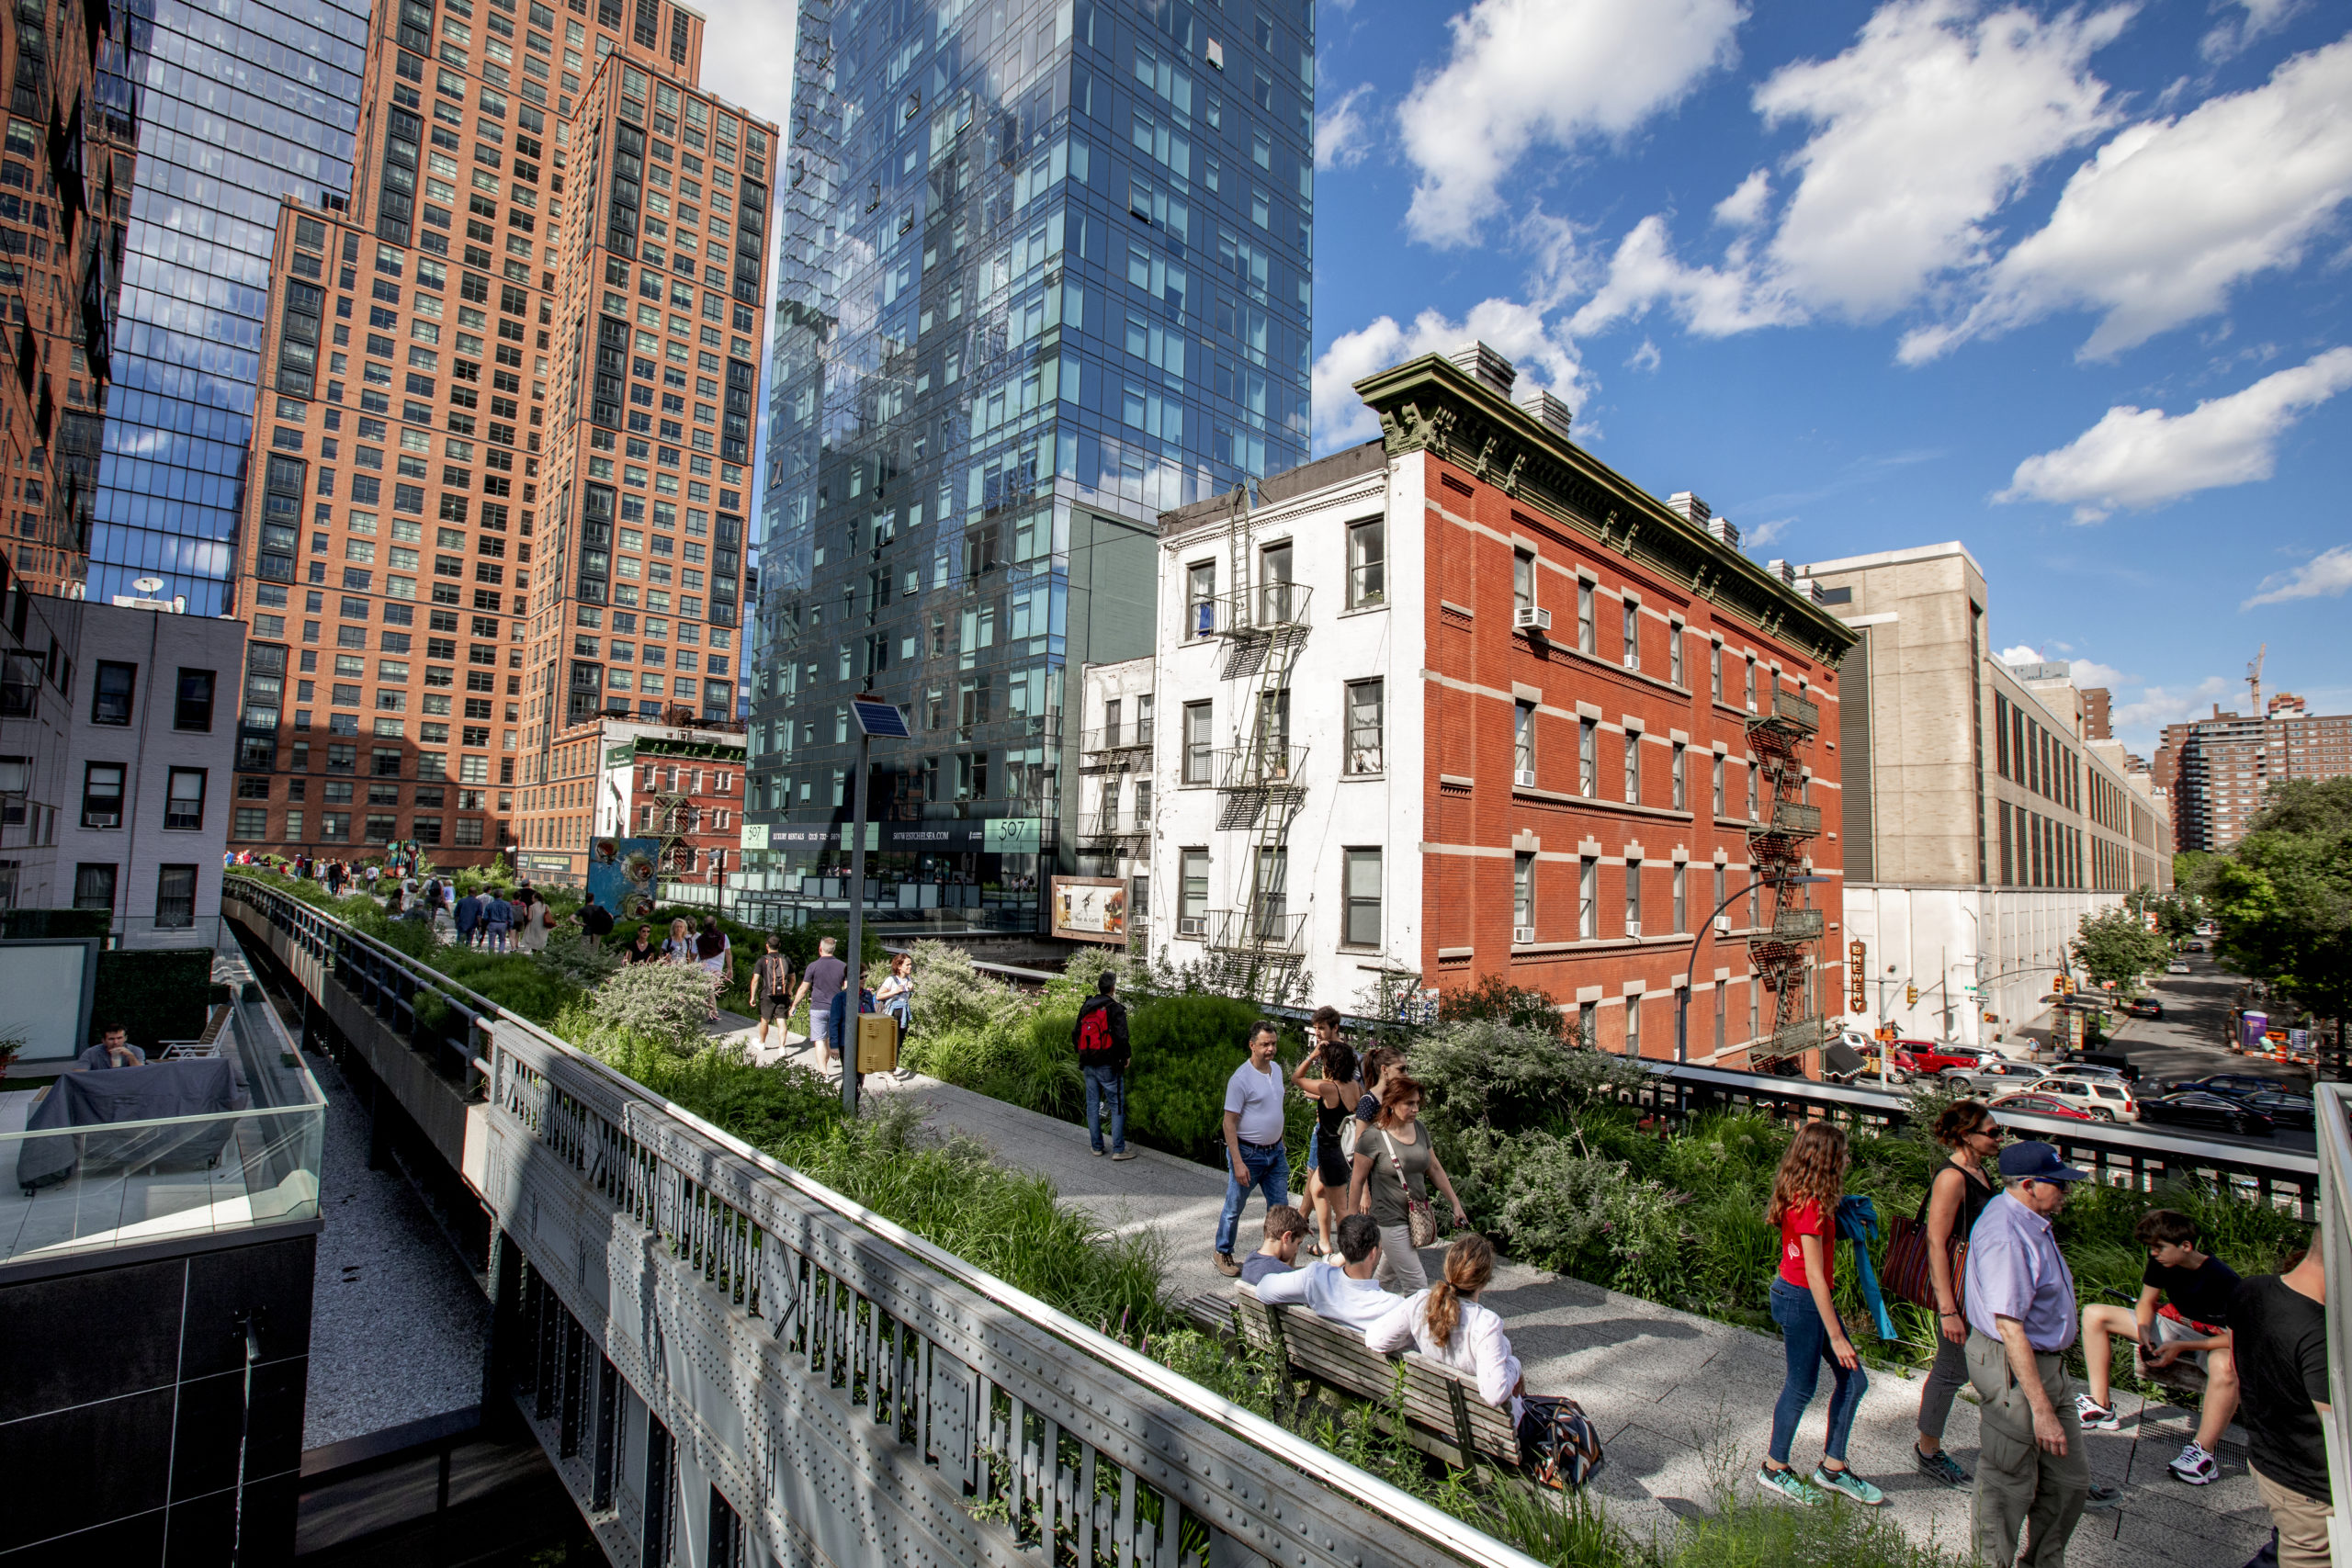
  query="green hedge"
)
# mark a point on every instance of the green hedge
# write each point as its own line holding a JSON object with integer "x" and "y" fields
{"x": 29, "y": 925}
{"x": 154, "y": 994}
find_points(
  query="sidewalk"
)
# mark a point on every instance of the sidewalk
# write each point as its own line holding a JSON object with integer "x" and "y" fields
{"x": 1678, "y": 1397}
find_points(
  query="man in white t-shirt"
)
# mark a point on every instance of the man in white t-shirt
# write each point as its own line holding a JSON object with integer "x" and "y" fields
{"x": 1348, "y": 1293}
{"x": 1253, "y": 1139}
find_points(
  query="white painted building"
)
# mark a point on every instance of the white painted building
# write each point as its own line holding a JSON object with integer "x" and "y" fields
{"x": 116, "y": 745}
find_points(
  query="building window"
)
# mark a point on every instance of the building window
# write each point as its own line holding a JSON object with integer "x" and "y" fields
{"x": 1633, "y": 897}
{"x": 1143, "y": 719}
{"x": 1633, "y": 767}
{"x": 111, "y": 693}
{"x": 1588, "y": 757}
{"x": 468, "y": 831}
{"x": 1271, "y": 898}
{"x": 1197, "y": 743}
{"x": 1633, "y": 633}
{"x": 1367, "y": 563}
{"x": 1634, "y": 1024}
{"x": 250, "y": 822}
{"x": 1716, "y": 670}
{"x": 175, "y": 898}
{"x": 1523, "y": 581}
{"x": 293, "y": 827}
{"x": 93, "y": 886}
{"x": 1111, "y": 710}
{"x": 1681, "y": 898}
{"x": 1585, "y": 633}
{"x": 1674, "y": 652}
{"x": 1193, "y": 895}
{"x": 1751, "y": 792}
{"x": 1362, "y": 894}
{"x": 1721, "y": 873}
{"x": 1718, "y": 783}
{"x": 1367, "y": 703}
{"x": 1681, "y": 777}
{"x": 102, "y": 795}
{"x": 1200, "y": 599}
{"x": 1587, "y": 1024}
{"x": 1523, "y": 742}
{"x": 1748, "y": 691}
{"x": 1588, "y": 899}
{"x": 335, "y": 827}
{"x": 1523, "y": 896}
{"x": 193, "y": 708}
{"x": 184, "y": 800}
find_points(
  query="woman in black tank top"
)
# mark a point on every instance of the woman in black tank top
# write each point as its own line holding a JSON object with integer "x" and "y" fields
{"x": 1328, "y": 1077}
{"x": 1957, "y": 1194}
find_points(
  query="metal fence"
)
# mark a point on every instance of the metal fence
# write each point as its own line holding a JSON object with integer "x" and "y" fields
{"x": 848, "y": 1391}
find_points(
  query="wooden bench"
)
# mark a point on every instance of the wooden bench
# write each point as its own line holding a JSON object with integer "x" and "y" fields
{"x": 1445, "y": 1416}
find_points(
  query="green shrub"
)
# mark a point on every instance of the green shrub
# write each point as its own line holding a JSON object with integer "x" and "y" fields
{"x": 26, "y": 925}
{"x": 1494, "y": 1000}
{"x": 665, "y": 1004}
{"x": 1490, "y": 1072}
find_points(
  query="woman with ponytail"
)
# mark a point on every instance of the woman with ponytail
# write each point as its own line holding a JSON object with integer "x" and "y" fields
{"x": 1805, "y": 1194}
{"x": 1446, "y": 1324}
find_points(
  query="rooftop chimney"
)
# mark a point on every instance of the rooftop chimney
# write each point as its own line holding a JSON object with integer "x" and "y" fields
{"x": 1481, "y": 362}
{"x": 1694, "y": 511}
{"x": 1548, "y": 409}
{"x": 1723, "y": 531}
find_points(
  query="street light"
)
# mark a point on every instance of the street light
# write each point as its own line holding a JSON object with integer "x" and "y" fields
{"x": 1707, "y": 928}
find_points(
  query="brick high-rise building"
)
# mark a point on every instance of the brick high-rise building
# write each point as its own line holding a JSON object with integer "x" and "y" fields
{"x": 474, "y": 365}
{"x": 2219, "y": 768}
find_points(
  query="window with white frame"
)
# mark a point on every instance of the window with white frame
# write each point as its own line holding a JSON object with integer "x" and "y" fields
{"x": 1633, "y": 767}
{"x": 1588, "y": 757}
{"x": 1633, "y": 897}
{"x": 1367, "y": 705}
{"x": 1681, "y": 777}
{"x": 1361, "y": 890}
{"x": 1674, "y": 652}
{"x": 1523, "y": 891}
{"x": 1524, "y": 742}
{"x": 1585, "y": 633}
{"x": 1367, "y": 563}
{"x": 1633, "y": 633}
{"x": 1589, "y": 898}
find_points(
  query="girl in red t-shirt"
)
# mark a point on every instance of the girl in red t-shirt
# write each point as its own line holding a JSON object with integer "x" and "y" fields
{"x": 1805, "y": 1192}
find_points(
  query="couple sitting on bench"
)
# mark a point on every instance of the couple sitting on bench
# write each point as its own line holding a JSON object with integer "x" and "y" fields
{"x": 1445, "y": 1324}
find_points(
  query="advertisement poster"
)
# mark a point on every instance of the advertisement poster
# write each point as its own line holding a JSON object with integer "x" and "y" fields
{"x": 1091, "y": 908}
{"x": 2251, "y": 1029}
{"x": 620, "y": 875}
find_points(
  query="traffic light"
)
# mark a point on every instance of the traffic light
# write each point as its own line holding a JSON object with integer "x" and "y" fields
{"x": 1911, "y": 996}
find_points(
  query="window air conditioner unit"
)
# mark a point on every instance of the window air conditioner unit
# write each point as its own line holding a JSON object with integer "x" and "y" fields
{"x": 1723, "y": 925}
{"x": 1530, "y": 617}
{"x": 1523, "y": 935}
{"x": 1191, "y": 925}
{"x": 1526, "y": 777}
{"x": 1632, "y": 928}
{"x": 1632, "y": 661}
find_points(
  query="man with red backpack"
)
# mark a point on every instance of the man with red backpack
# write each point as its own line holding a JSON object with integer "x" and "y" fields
{"x": 1101, "y": 1039}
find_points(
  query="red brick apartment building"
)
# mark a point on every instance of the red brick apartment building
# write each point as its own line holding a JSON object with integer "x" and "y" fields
{"x": 1465, "y": 703}
{"x": 501, "y": 449}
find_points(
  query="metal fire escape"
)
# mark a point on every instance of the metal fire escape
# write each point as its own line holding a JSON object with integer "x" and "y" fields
{"x": 1254, "y": 950}
{"x": 1780, "y": 950}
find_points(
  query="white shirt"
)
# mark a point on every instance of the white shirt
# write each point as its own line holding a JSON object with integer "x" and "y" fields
{"x": 1258, "y": 1096}
{"x": 1479, "y": 1347}
{"x": 1325, "y": 1290}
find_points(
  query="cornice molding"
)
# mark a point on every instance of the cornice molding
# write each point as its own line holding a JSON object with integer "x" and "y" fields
{"x": 1432, "y": 405}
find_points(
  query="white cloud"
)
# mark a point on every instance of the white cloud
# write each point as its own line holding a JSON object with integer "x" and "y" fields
{"x": 1711, "y": 301}
{"x": 1544, "y": 358}
{"x": 2171, "y": 215}
{"x": 1343, "y": 132}
{"x": 2143, "y": 457}
{"x": 1643, "y": 359}
{"x": 1557, "y": 72}
{"x": 2020, "y": 654}
{"x": 1765, "y": 533}
{"x": 2326, "y": 575}
{"x": 1744, "y": 207}
{"x": 2261, "y": 17}
{"x": 1927, "y": 125}
{"x": 2139, "y": 720}
{"x": 747, "y": 55}
{"x": 2090, "y": 672}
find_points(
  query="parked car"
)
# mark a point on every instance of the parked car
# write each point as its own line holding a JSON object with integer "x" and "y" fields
{"x": 2234, "y": 1084}
{"x": 1988, "y": 1068}
{"x": 2176, "y": 967}
{"x": 2192, "y": 947}
{"x": 2040, "y": 1105}
{"x": 2216, "y": 1113}
{"x": 2101, "y": 1098}
{"x": 2099, "y": 1070}
{"x": 2284, "y": 1108}
{"x": 1927, "y": 1058}
{"x": 2143, "y": 1006}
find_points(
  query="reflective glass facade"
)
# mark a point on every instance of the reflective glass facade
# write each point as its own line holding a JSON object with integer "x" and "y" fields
{"x": 1045, "y": 273}
{"x": 235, "y": 104}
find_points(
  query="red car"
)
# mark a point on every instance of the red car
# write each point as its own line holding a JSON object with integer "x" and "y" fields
{"x": 1925, "y": 1058}
{"x": 2040, "y": 1105}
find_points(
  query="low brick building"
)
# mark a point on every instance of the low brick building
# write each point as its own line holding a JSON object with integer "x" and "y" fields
{"x": 681, "y": 781}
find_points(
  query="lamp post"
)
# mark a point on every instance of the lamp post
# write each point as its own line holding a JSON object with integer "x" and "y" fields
{"x": 1707, "y": 928}
{"x": 875, "y": 717}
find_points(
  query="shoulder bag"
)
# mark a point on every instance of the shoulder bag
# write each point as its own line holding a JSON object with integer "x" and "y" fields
{"x": 1908, "y": 1274}
{"x": 1420, "y": 1214}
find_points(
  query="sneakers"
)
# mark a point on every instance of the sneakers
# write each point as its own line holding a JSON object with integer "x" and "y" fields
{"x": 1125, "y": 1154}
{"x": 2196, "y": 1466}
{"x": 1228, "y": 1267}
{"x": 2102, "y": 1497}
{"x": 2095, "y": 1416}
{"x": 1846, "y": 1484}
{"x": 1939, "y": 1466}
{"x": 1098, "y": 1151}
{"x": 1788, "y": 1485}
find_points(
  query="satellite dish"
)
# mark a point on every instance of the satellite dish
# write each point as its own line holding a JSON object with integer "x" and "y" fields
{"x": 147, "y": 585}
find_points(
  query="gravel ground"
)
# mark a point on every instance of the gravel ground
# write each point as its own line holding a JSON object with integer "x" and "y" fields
{"x": 397, "y": 1323}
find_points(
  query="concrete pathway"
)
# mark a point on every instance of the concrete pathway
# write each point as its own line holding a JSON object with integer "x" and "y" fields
{"x": 1680, "y": 1399}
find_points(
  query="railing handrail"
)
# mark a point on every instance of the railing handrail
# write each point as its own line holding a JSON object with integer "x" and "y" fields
{"x": 2331, "y": 1103}
{"x": 1318, "y": 1464}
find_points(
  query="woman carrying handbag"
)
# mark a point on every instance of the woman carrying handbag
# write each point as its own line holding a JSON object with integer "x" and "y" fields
{"x": 1394, "y": 1165}
{"x": 1956, "y": 1195}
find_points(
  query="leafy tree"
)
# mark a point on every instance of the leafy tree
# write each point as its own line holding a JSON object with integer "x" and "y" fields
{"x": 2117, "y": 946}
{"x": 1495, "y": 997}
{"x": 2282, "y": 897}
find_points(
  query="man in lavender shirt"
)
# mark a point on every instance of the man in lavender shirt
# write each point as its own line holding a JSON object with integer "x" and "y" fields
{"x": 2019, "y": 1297}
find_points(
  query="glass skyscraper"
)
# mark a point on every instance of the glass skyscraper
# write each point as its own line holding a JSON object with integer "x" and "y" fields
{"x": 233, "y": 105}
{"x": 1046, "y": 272}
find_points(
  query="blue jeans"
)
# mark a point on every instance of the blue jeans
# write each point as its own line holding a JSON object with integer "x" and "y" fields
{"x": 1269, "y": 1169}
{"x": 1805, "y": 1338}
{"x": 1106, "y": 1086}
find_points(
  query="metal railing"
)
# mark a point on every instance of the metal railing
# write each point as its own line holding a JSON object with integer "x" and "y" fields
{"x": 1270, "y": 765}
{"x": 2333, "y": 1126}
{"x": 1789, "y": 818}
{"x": 1791, "y": 708}
{"x": 1269, "y": 607}
{"x": 1792, "y": 925}
{"x": 839, "y": 1380}
{"x": 1117, "y": 738}
{"x": 1115, "y": 824}
{"x": 1255, "y": 930}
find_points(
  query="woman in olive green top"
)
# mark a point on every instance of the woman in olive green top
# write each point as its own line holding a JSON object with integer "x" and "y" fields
{"x": 1394, "y": 1142}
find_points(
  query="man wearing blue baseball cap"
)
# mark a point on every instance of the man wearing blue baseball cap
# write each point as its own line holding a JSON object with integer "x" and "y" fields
{"x": 2019, "y": 1297}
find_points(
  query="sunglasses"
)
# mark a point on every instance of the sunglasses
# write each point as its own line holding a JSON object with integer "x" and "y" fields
{"x": 1992, "y": 1130}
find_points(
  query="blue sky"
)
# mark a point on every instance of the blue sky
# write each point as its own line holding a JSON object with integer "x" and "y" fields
{"x": 2067, "y": 284}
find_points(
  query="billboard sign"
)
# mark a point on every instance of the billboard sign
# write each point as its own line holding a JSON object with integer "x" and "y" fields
{"x": 1091, "y": 908}
{"x": 621, "y": 875}
{"x": 755, "y": 835}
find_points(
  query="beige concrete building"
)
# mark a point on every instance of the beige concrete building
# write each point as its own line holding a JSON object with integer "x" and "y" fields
{"x": 1983, "y": 815}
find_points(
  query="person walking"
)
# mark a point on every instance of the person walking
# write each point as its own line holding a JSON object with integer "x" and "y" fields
{"x": 497, "y": 921}
{"x": 1100, "y": 1036}
{"x": 1805, "y": 1194}
{"x": 641, "y": 949}
{"x": 895, "y": 996}
{"x": 715, "y": 956}
{"x": 531, "y": 930}
{"x": 1327, "y": 1078}
{"x": 467, "y": 916}
{"x": 1253, "y": 1139}
{"x": 819, "y": 984}
{"x": 2280, "y": 1322}
{"x": 2018, "y": 1295}
{"x": 596, "y": 924}
{"x": 771, "y": 993}
{"x": 680, "y": 947}
{"x": 1957, "y": 1195}
{"x": 1394, "y": 1168}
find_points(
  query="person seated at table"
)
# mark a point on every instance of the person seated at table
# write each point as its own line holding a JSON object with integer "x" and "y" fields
{"x": 1343, "y": 1292}
{"x": 1446, "y": 1324}
{"x": 113, "y": 1050}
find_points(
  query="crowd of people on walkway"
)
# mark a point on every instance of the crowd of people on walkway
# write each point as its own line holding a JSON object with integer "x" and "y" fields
{"x": 2008, "y": 1312}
